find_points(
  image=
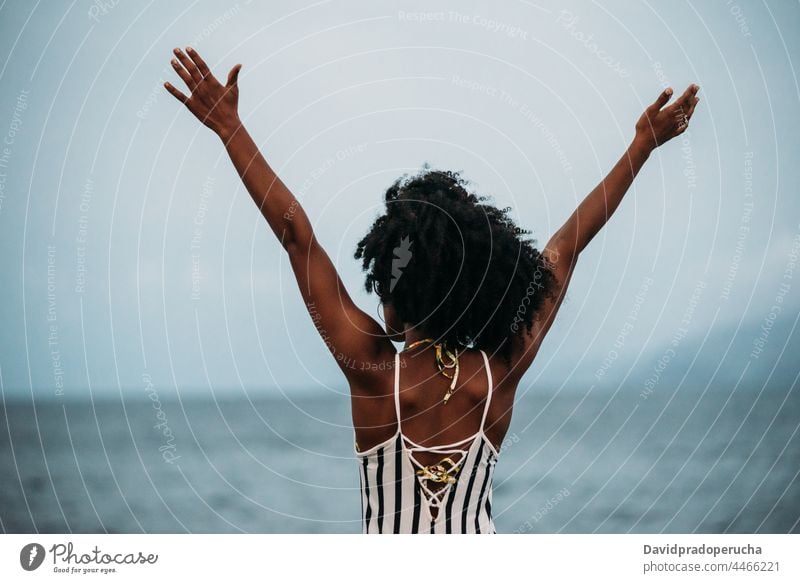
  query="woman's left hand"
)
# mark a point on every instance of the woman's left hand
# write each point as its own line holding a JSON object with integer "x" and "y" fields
{"x": 659, "y": 124}
{"x": 214, "y": 104}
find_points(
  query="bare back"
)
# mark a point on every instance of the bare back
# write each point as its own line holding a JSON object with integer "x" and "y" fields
{"x": 424, "y": 418}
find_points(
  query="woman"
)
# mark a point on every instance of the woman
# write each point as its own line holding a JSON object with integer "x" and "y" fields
{"x": 460, "y": 285}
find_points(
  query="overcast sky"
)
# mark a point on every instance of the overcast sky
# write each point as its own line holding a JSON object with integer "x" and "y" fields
{"x": 130, "y": 248}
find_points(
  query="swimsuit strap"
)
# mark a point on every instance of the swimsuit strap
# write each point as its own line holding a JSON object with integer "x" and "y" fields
{"x": 489, "y": 393}
{"x": 397, "y": 387}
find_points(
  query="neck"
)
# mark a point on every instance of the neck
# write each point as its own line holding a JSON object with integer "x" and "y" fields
{"x": 413, "y": 335}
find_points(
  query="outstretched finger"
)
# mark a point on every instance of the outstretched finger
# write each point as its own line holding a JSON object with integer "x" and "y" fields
{"x": 198, "y": 60}
{"x": 687, "y": 96}
{"x": 189, "y": 65}
{"x": 183, "y": 74}
{"x": 662, "y": 99}
{"x": 692, "y": 106}
{"x": 233, "y": 75}
{"x": 175, "y": 92}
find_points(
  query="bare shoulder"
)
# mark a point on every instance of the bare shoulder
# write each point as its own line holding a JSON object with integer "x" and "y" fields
{"x": 504, "y": 372}
{"x": 373, "y": 374}
{"x": 505, "y": 383}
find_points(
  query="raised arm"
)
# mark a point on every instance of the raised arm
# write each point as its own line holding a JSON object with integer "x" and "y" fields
{"x": 658, "y": 124}
{"x": 354, "y": 338}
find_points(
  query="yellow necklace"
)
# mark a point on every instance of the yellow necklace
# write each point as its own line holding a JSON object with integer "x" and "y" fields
{"x": 441, "y": 364}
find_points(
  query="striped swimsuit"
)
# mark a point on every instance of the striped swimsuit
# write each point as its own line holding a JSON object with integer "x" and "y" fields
{"x": 395, "y": 499}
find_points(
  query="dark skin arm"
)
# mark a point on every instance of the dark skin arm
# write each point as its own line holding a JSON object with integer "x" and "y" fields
{"x": 658, "y": 124}
{"x": 353, "y": 337}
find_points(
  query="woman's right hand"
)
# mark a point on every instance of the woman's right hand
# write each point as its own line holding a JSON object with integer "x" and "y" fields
{"x": 659, "y": 124}
{"x": 214, "y": 104}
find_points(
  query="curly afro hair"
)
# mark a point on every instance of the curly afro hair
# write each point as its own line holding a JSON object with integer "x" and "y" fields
{"x": 454, "y": 267}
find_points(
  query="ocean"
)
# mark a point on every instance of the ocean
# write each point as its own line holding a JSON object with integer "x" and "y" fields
{"x": 678, "y": 461}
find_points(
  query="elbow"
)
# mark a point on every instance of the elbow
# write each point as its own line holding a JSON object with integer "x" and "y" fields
{"x": 562, "y": 248}
{"x": 288, "y": 241}
{"x": 296, "y": 237}
{"x": 289, "y": 244}
{"x": 295, "y": 243}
